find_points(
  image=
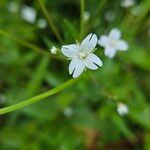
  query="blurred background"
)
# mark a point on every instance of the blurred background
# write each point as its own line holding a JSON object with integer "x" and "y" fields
{"x": 105, "y": 109}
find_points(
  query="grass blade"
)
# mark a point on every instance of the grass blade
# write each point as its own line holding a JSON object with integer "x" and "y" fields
{"x": 49, "y": 19}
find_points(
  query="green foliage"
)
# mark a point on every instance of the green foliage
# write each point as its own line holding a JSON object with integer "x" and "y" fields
{"x": 84, "y": 114}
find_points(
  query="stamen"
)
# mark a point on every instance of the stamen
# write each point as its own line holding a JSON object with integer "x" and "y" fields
{"x": 82, "y": 55}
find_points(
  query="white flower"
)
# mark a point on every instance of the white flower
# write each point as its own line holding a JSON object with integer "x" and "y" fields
{"x": 54, "y": 50}
{"x": 110, "y": 15}
{"x": 28, "y": 14}
{"x": 68, "y": 112}
{"x": 82, "y": 56}
{"x": 122, "y": 109}
{"x": 41, "y": 23}
{"x": 127, "y": 3}
{"x": 112, "y": 43}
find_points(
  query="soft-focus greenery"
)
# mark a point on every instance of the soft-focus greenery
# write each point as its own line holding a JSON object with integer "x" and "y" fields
{"x": 84, "y": 115}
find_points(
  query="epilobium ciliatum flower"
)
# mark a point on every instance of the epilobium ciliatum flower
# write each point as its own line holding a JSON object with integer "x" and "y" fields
{"x": 81, "y": 55}
{"x": 112, "y": 43}
{"x": 54, "y": 50}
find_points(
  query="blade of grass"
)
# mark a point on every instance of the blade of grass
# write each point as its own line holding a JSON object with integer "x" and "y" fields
{"x": 49, "y": 19}
{"x": 98, "y": 11}
{"x": 37, "y": 98}
{"x": 27, "y": 44}
{"x": 82, "y": 8}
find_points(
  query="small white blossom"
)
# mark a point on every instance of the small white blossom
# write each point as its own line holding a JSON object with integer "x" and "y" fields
{"x": 110, "y": 15}
{"x": 82, "y": 56}
{"x": 86, "y": 16}
{"x": 54, "y": 50}
{"x": 127, "y": 3}
{"x": 41, "y": 23}
{"x": 68, "y": 112}
{"x": 122, "y": 109}
{"x": 28, "y": 14}
{"x": 112, "y": 43}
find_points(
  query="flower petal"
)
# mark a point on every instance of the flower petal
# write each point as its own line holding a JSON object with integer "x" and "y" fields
{"x": 122, "y": 45}
{"x": 70, "y": 50}
{"x": 110, "y": 52}
{"x": 115, "y": 34}
{"x": 96, "y": 60}
{"x": 103, "y": 41}
{"x": 76, "y": 67}
{"x": 89, "y": 64}
{"x": 89, "y": 43}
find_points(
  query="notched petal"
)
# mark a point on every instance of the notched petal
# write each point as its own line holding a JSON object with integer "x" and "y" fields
{"x": 95, "y": 59}
{"x": 89, "y": 64}
{"x": 76, "y": 67}
{"x": 89, "y": 43}
{"x": 70, "y": 50}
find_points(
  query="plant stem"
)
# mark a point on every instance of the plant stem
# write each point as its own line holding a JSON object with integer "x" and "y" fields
{"x": 49, "y": 19}
{"x": 98, "y": 12}
{"x": 37, "y": 98}
{"x": 23, "y": 42}
{"x": 82, "y": 7}
{"x": 27, "y": 44}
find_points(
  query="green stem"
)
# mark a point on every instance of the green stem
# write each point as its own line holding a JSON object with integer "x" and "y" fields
{"x": 23, "y": 42}
{"x": 98, "y": 12}
{"x": 82, "y": 7}
{"x": 49, "y": 19}
{"x": 37, "y": 98}
{"x": 27, "y": 44}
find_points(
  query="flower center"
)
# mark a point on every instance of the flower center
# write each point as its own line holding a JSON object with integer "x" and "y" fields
{"x": 82, "y": 55}
{"x": 112, "y": 43}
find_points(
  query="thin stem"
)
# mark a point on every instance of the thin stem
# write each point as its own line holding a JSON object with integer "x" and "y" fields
{"x": 23, "y": 42}
{"x": 49, "y": 19}
{"x": 27, "y": 44}
{"x": 82, "y": 7}
{"x": 37, "y": 98}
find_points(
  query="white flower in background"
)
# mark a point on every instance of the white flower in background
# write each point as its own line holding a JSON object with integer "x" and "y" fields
{"x": 112, "y": 43}
{"x": 68, "y": 112}
{"x": 54, "y": 50}
{"x": 2, "y": 98}
{"x": 122, "y": 109}
{"x": 127, "y": 3}
{"x": 82, "y": 56}
{"x": 86, "y": 16}
{"x": 110, "y": 15}
{"x": 28, "y": 14}
{"x": 13, "y": 7}
{"x": 41, "y": 23}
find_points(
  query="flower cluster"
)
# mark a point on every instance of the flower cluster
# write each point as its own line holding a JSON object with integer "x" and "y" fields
{"x": 82, "y": 55}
